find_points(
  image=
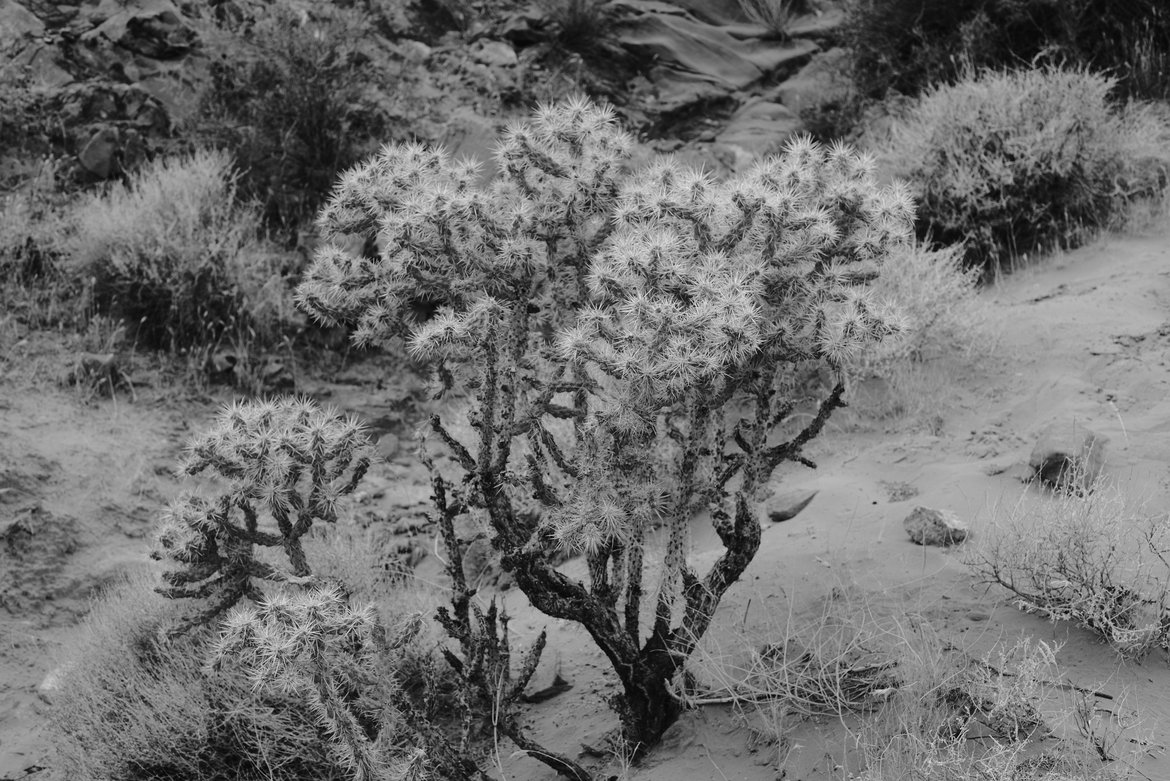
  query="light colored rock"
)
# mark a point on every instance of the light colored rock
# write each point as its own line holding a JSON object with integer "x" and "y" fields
{"x": 495, "y": 54}
{"x": 760, "y": 128}
{"x": 927, "y": 526}
{"x": 18, "y": 22}
{"x": 823, "y": 80}
{"x": 788, "y": 505}
{"x": 1068, "y": 455}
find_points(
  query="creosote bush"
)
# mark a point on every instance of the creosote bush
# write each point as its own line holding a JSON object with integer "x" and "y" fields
{"x": 174, "y": 255}
{"x": 619, "y": 339}
{"x": 1016, "y": 162}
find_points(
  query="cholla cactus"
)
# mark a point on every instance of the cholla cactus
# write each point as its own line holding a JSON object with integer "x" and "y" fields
{"x": 287, "y": 463}
{"x": 605, "y": 323}
{"x": 315, "y": 644}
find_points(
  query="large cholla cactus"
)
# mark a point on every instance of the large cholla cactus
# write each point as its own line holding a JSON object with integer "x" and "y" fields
{"x": 287, "y": 462}
{"x": 625, "y": 339}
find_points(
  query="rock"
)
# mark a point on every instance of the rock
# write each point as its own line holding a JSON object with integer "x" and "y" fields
{"x": 823, "y": 80}
{"x": 934, "y": 527}
{"x": 689, "y": 45}
{"x": 18, "y": 22}
{"x": 495, "y": 54}
{"x": 153, "y": 28}
{"x": 1068, "y": 455}
{"x": 760, "y": 128}
{"x": 99, "y": 155}
{"x": 470, "y": 135}
{"x": 51, "y": 684}
{"x": 788, "y": 505}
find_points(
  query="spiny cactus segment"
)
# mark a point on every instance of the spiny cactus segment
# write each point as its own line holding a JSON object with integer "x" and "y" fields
{"x": 287, "y": 462}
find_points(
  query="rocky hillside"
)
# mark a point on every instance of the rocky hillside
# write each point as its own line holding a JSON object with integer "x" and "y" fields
{"x": 103, "y": 85}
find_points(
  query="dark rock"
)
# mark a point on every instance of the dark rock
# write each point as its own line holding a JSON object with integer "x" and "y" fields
{"x": 99, "y": 155}
{"x": 927, "y": 526}
{"x": 154, "y": 28}
{"x": 1068, "y": 456}
{"x": 788, "y": 505}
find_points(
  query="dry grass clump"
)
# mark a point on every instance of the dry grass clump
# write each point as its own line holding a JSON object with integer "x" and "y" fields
{"x": 134, "y": 706}
{"x": 175, "y": 255}
{"x": 914, "y": 705}
{"x": 1015, "y": 162}
{"x": 947, "y": 330}
{"x": 1092, "y": 559}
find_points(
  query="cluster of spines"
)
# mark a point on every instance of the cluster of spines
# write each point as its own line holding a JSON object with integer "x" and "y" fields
{"x": 287, "y": 462}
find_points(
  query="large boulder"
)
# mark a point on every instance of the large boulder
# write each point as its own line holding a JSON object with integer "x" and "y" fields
{"x": 1068, "y": 456}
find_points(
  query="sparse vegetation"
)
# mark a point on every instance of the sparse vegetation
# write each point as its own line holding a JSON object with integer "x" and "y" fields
{"x": 1091, "y": 559}
{"x": 178, "y": 258}
{"x": 1012, "y": 163}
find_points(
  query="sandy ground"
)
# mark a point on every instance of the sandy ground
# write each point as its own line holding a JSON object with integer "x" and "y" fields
{"x": 1083, "y": 336}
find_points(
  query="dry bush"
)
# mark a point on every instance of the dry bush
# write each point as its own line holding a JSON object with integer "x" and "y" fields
{"x": 134, "y": 706}
{"x": 1092, "y": 559}
{"x": 1014, "y": 162}
{"x": 177, "y": 257}
{"x": 917, "y": 375}
{"x": 916, "y": 707}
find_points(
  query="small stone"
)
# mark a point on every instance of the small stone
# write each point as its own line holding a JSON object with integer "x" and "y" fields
{"x": 788, "y": 505}
{"x": 1068, "y": 456}
{"x": 496, "y": 54}
{"x": 927, "y": 526}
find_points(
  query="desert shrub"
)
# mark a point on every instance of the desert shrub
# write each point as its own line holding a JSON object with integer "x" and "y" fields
{"x": 957, "y": 718}
{"x": 132, "y": 705}
{"x": 906, "y": 46}
{"x": 175, "y": 255}
{"x": 1014, "y": 162}
{"x": 1091, "y": 559}
{"x": 298, "y": 97}
{"x": 937, "y": 295}
{"x": 600, "y": 327}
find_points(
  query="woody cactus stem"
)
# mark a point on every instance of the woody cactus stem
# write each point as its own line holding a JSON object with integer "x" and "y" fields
{"x": 624, "y": 341}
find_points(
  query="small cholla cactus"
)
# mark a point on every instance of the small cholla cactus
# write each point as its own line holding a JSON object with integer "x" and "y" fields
{"x": 625, "y": 338}
{"x": 287, "y": 462}
{"x": 315, "y": 644}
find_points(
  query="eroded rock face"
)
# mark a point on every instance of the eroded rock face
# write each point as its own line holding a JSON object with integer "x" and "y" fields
{"x": 1068, "y": 456}
{"x": 927, "y": 526}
